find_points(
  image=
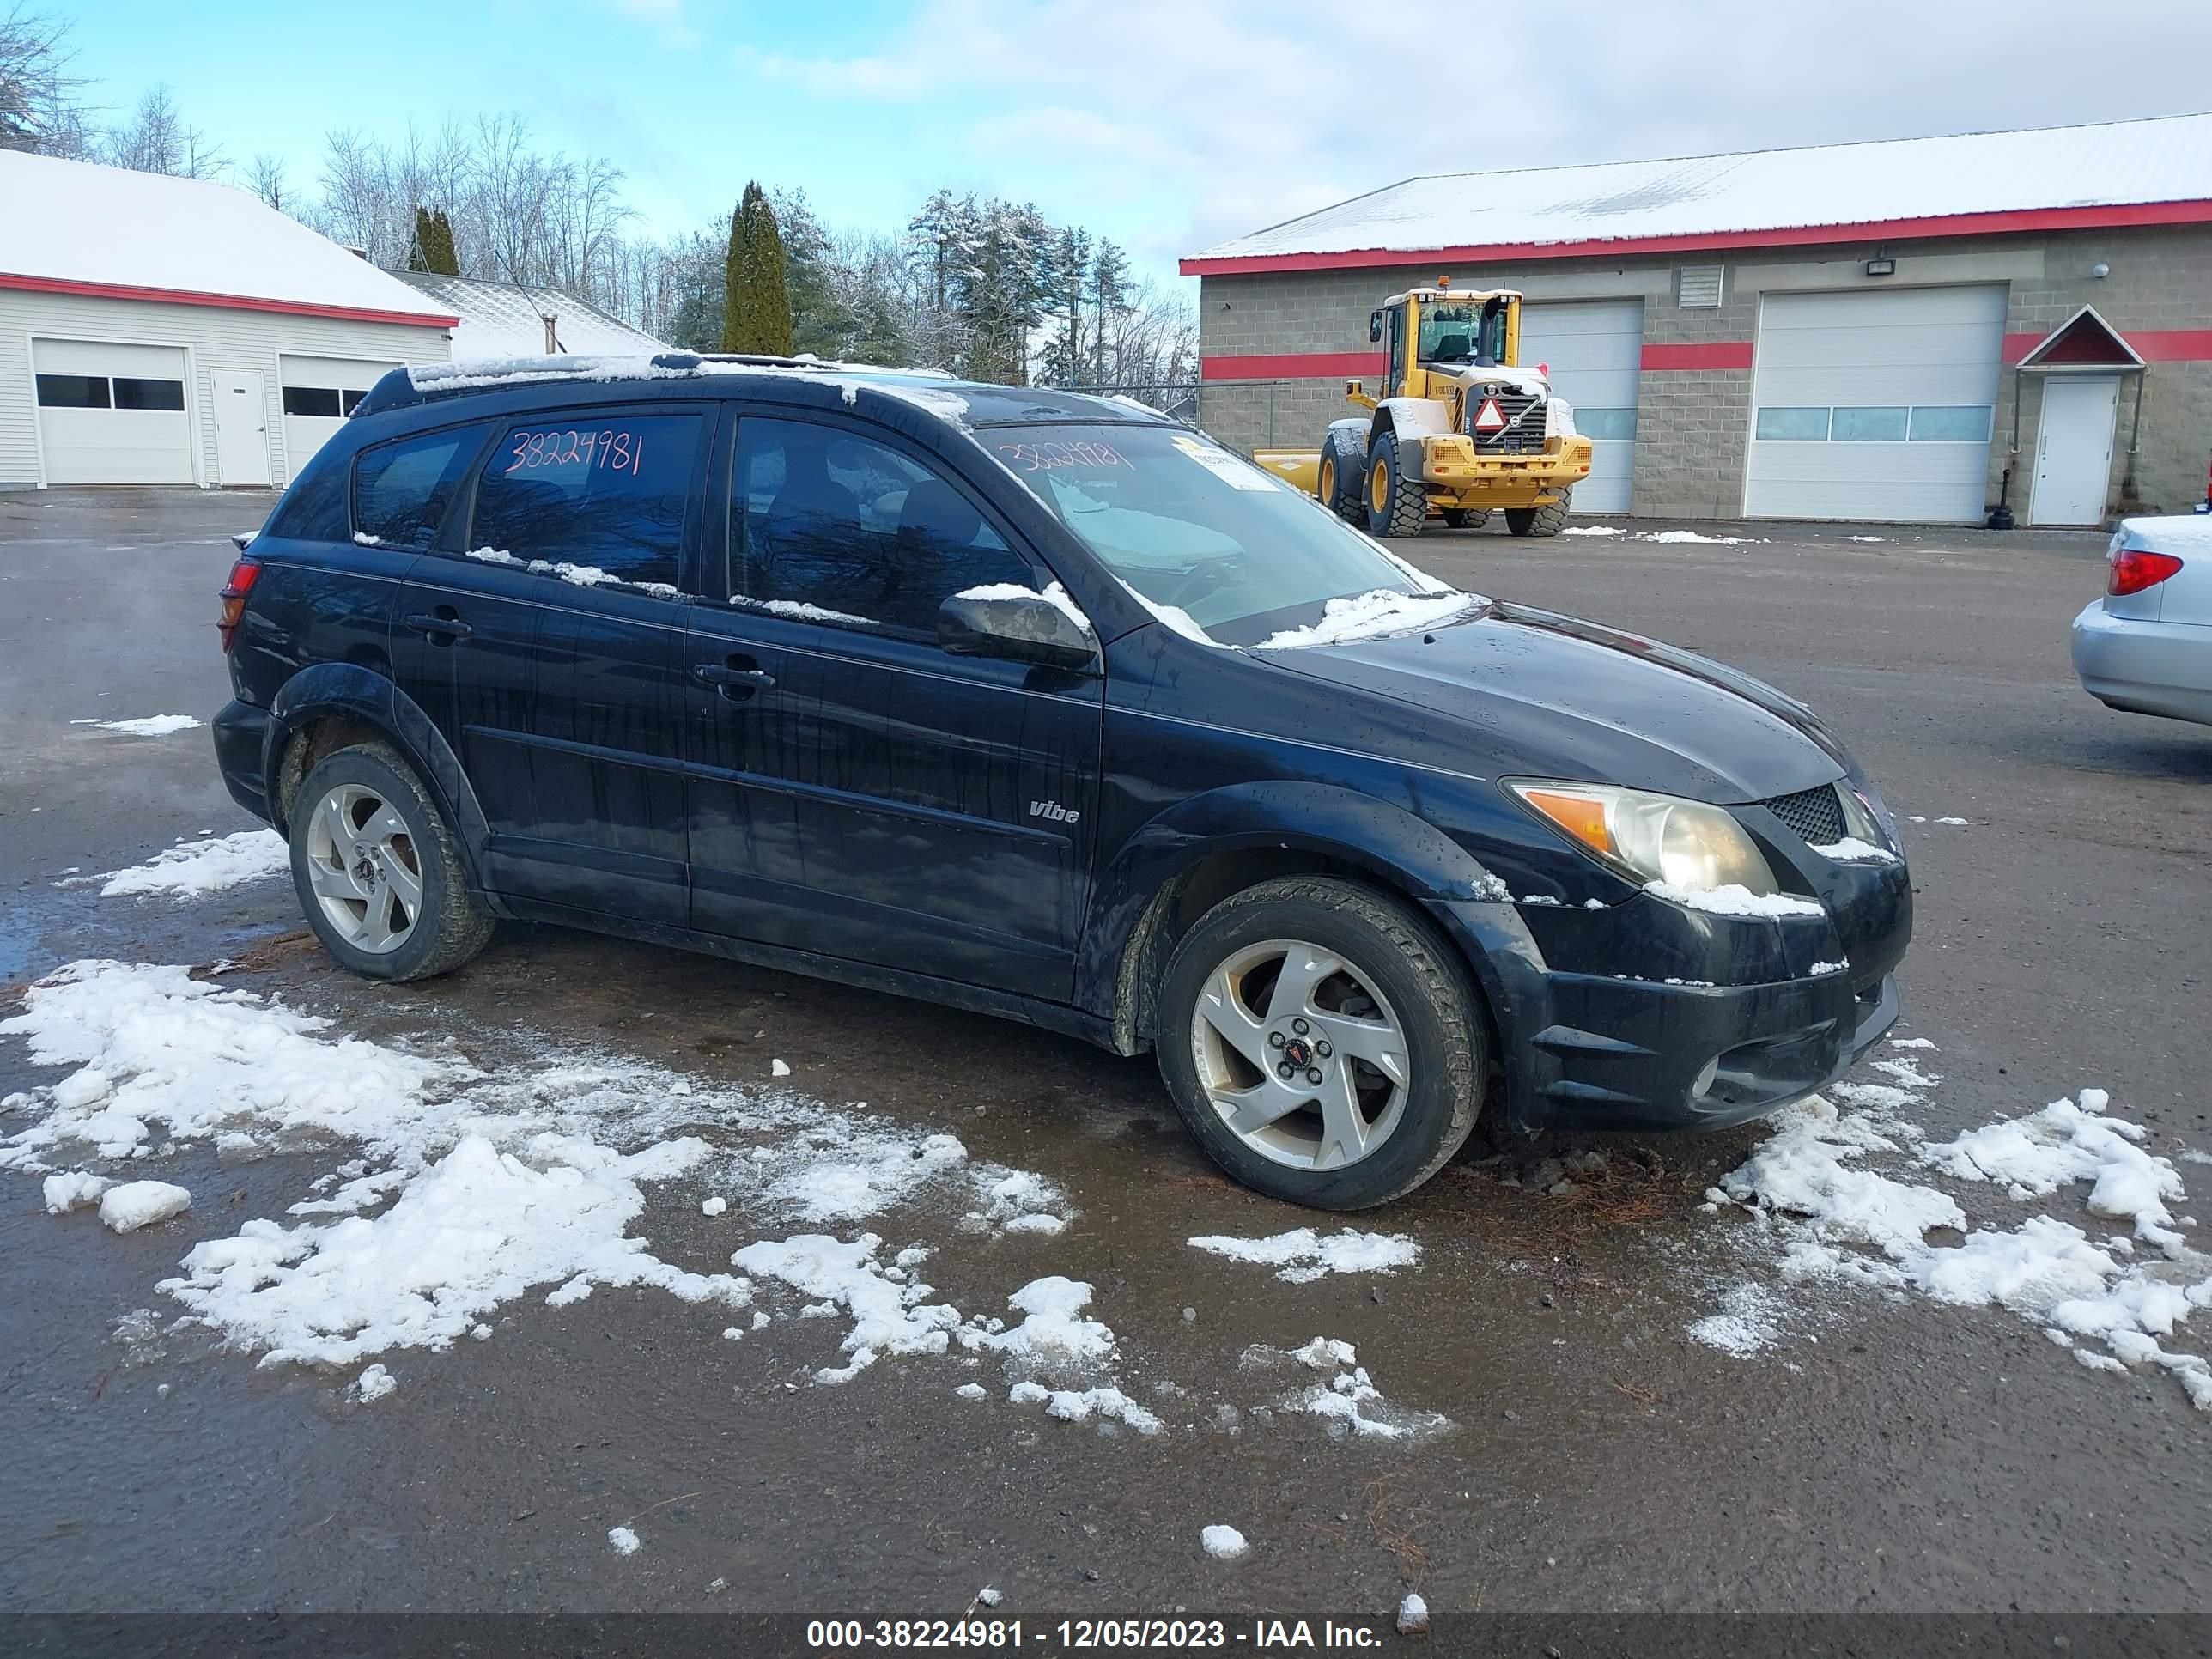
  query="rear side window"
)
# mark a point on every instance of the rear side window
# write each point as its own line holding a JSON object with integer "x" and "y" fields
{"x": 602, "y": 492}
{"x": 854, "y": 528}
{"x": 401, "y": 489}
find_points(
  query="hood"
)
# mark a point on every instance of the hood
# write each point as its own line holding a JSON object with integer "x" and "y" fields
{"x": 1530, "y": 693}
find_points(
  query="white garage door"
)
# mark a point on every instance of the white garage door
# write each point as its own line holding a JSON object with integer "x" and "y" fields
{"x": 320, "y": 393}
{"x": 1596, "y": 352}
{"x": 112, "y": 414}
{"x": 1875, "y": 405}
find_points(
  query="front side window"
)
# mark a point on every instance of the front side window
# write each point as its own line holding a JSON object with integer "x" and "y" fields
{"x": 600, "y": 492}
{"x": 852, "y": 530}
{"x": 1185, "y": 523}
{"x": 401, "y": 489}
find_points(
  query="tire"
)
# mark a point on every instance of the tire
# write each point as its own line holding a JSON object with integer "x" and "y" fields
{"x": 1467, "y": 518}
{"x": 1397, "y": 983}
{"x": 1396, "y": 505}
{"x": 1541, "y": 521}
{"x": 1338, "y": 492}
{"x": 362, "y": 808}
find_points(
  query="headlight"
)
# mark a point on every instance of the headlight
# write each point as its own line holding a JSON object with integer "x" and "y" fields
{"x": 1647, "y": 837}
{"x": 1866, "y": 817}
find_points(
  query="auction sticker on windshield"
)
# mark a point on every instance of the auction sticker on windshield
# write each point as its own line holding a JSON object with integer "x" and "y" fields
{"x": 1225, "y": 467}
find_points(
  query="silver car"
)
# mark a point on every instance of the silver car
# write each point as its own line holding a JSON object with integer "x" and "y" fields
{"x": 2146, "y": 648}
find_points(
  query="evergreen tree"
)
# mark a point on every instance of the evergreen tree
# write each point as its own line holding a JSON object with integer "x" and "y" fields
{"x": 756, "y": 310}
{"x": 1066, "y": 279}
{"x": 1110, "y": 303}
{"x": 432, "y": 247}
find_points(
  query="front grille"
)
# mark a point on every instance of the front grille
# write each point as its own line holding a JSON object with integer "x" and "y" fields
{"x": 1526, "y": 439}
{"x": 1814, "y": 815}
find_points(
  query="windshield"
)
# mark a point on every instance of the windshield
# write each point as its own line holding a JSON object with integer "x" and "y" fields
{"x": 1463, "y": 333}
{"x": 1193, "y": 527}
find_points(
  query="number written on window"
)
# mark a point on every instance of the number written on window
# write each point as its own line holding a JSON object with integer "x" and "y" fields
{"x": 615, "y": 449}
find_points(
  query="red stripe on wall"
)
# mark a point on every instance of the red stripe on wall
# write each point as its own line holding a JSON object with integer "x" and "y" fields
{"x": 2019, "y": 221}
{"x": 178, "y": 296}
{"x": 2155, "y": 345}
{"x": 1708, "y": 354}
{"x": 1292, "y": 366}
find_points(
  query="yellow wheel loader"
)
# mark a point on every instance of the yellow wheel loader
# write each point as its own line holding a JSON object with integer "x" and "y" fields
{"x": 1460, "y": 429}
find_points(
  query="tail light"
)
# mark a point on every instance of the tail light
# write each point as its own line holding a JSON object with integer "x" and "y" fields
{"x": 2134, "y": 568}
{"x": 243, "y": 574}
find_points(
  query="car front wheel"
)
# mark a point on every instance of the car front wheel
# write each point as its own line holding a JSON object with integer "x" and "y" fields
{"x": 1322, "y": 1043}
{"x": 377, "y": 872}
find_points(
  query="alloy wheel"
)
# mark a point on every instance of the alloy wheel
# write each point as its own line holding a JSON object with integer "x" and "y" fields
{"x": 365, "y": 869}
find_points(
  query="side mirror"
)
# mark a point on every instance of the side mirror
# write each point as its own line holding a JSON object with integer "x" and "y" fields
{"x": 1374, "y": 328}
{"x": 1005, "y": 621}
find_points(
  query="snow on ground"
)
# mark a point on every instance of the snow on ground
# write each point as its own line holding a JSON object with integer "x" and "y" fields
{"x": 148, "y": 726}
{"x": 1303, "y": 1256}
{"x": 1840, "y": 1196}
{"x": 1346, "y": 1400}
{"x": 372, "y": 1385}
{"x": 1223, "y": 1543}
{"x": 1662, "y": 535}
{"x": 191, "y": 868}
{"x": 136, "y": 1204}
{"x": 625, "y": 1541}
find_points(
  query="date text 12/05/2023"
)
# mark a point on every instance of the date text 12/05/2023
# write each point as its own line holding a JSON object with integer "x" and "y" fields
{"x": 1084, "y": 1635}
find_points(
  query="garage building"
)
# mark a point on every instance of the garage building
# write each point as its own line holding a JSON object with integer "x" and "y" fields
{"x": 1879, "y": 332}
{"x": 160, "y": 331}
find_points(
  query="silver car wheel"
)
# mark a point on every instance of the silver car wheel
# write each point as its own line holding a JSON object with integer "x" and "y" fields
{"x": 1300, "y": 1054}
{"x": 365, "y": 869}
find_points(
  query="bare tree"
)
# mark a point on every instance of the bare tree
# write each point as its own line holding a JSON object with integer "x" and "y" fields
{"x": 157, "y": 139}
{"x": 265, "y": 179}
{"x": 38, "y": 108}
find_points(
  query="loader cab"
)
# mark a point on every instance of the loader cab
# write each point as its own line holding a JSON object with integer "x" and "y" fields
{"x": 1449, "y": 329}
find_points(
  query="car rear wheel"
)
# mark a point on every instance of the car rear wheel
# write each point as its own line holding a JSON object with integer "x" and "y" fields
{"x": 1396, "y": 505}
{"x": 1539, "y": 521}
{"x": 377, "y": 872}
{"x": 1321, "y": 1042}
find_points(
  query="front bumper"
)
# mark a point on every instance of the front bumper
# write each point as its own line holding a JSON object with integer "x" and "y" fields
{"x": 241, "y": 747}
{"x": 1645, "y": 1015}
{"x": 1454, "y": 464}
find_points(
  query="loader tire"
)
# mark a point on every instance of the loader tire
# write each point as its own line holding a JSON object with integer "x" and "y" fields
{"x": 1467, "y": 518}
{"x": 1541, "y": 521}
{"x": 1396, "y": 505}
{"x": 1338, "y": 492}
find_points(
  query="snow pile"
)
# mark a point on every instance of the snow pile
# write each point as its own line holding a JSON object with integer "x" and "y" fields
{"x": 1412, "y": 1615}
{"x": 1733, "y": 900}
{"x": 1823, "y": 1217}
{"x": 1303, "y": 1256}
{"x": 1223, "y": 1543}
{"x": 477, "y": 1230}
{"x": 207, "y": 865}
{"x": 372, "y": 1385}
{"x": 890, "y": 1316}
{"x": 1670, "y": 537}
{"x": 1347, "y": 1401}
{"x": 73, "y": 1191}
{"x": 136, "y": 1204}
{"x": 1372, "y": 615}
{"x": 148, "y": 726}
{"x": 625, "y": 1541}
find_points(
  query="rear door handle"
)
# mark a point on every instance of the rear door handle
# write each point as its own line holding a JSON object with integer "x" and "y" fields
{"x": 735, "y": 683}
{"x": 452, "y": 626}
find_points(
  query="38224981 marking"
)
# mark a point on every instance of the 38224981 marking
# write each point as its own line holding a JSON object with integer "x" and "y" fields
{"x": 611, "y": 448}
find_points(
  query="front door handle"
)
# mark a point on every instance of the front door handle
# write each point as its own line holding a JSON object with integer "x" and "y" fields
{"x": 451, "y": 626}
{"x": 737, "y": 680}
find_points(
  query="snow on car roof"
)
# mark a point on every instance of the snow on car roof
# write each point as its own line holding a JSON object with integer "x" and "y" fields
{"x": 75, "y": 224}
{"x": 2122, "y": 163}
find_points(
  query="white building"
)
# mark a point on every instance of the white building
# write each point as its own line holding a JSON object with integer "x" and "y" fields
{"x": 159, "y": 331}
{"x": 519, "y": 319}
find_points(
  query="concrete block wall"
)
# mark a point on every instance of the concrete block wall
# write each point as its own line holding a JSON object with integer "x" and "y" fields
{"x": 1694, "y": 424}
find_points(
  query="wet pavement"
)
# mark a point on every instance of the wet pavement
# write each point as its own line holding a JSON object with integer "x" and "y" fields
{"x": 1887, "y": 1454}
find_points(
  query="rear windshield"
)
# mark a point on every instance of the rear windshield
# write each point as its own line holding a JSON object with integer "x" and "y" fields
{"x": 1188, "y": 525}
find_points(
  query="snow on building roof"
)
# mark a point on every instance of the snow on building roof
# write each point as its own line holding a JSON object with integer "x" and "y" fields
{"x": 71, "y": 226}
{"x": 2146, "y": 172}
{"x": 508, "y": 319}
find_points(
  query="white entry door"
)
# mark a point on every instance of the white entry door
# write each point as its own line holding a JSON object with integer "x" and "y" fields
{"x": 2074, "y": 451}
{"x": 241, "y": 427}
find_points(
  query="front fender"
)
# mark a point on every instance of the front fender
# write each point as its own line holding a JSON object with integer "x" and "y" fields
{"x": 1396, "y": 849}
{"x": 348, "y": 691}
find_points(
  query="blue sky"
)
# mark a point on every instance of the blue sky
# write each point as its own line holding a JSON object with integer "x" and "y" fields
{"x": 1166, "y": 124}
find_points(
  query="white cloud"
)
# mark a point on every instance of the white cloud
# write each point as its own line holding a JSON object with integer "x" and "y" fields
{"x": 1241, "y": 113}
